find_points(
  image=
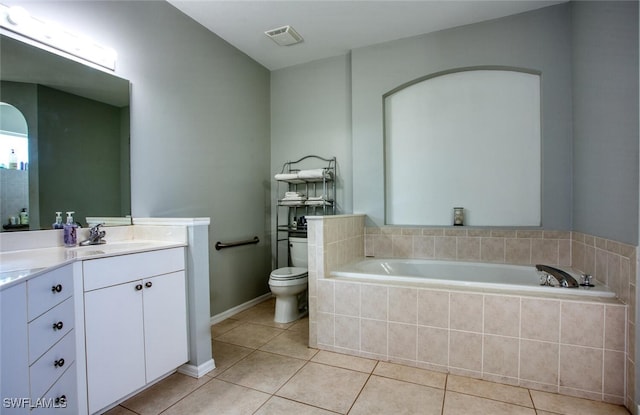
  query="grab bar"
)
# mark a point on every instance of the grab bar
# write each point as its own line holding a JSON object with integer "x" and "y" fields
{"x": 222, "y": 245}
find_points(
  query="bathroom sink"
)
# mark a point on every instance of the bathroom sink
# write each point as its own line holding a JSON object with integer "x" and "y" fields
{"x": 112, "y": 247}
{"x": 46, "y": 257}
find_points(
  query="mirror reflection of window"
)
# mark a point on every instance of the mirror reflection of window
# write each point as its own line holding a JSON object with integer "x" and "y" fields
{"x": 14, "y": 143}
{"x": 14, "y": 163}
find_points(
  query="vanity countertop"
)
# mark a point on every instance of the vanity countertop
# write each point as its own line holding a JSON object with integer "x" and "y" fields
{"x": 19, "y": 266}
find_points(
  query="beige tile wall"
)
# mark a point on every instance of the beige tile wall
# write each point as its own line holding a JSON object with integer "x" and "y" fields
{"x": 614, "y": 264}
{"x": 538, "y": 343}
{"x": 518, "y": 340}
{"x": 332, "y": 241}
{"x": 485, "y": 245}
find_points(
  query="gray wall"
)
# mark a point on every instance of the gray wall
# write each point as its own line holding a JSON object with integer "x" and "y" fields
{"x": 538, "y": 40}
{"x": 311, "y": 114}
{"x": 199, "y": 129}
{"x": 605, "y": 119}
{"x": 587, "y": 52}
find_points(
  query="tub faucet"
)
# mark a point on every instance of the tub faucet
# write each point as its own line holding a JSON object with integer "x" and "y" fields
{"x": 564, "y": 278}
{"x": 95, "y": 236}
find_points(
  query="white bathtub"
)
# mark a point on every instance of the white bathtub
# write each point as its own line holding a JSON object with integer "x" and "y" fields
{"x": 466, "y": 274}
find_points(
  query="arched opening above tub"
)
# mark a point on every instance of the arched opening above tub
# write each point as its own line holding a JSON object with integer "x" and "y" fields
{"x": 466, "y": 138}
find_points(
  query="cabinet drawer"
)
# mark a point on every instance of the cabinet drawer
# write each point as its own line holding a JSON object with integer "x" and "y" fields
{"x": 62, "y": 398}
{"x": 43, "y": 334}
{"x": 46, "y": 370}
{"x": 105, "y": 272}
{"x": 48, "y": 290}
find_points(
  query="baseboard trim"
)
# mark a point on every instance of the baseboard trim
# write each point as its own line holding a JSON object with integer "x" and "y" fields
{"x": 197, "y": 371}
{"x": 238, "y": 309}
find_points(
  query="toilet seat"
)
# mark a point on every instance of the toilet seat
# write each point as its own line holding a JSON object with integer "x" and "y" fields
{"x": 289, "y": 273}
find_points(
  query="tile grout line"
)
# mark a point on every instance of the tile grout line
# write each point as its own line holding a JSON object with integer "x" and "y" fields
{"x": 364, "y": 385}
{"x": 444, "y": 395}
{"x": 181, "y": 399}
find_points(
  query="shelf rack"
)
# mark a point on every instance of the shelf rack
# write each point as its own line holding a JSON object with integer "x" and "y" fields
{"x": 319, "y": 192}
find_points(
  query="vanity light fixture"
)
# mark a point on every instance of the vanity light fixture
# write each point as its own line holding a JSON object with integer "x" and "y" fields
{"x": 17, "y": 20}
{"x": 284, "y": 36}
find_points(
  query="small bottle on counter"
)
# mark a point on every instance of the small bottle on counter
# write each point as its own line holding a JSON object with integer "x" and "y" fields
{"x": 24, "y": 217}
{"x": 70, "y": 231}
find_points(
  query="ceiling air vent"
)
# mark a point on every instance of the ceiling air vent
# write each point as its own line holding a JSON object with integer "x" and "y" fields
{"x": 284, "y": 36}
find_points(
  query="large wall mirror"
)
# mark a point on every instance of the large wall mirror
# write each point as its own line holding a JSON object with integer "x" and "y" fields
{"x": 77, "y": 121}
{"x": 468, "y": 138}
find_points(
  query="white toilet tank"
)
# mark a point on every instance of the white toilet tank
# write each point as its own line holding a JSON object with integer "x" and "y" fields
{"x": 298, "y": 252}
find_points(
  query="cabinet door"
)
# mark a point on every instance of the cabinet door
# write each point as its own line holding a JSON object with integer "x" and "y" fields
{"x": 165, "y": 323}
{"x": 114, "y": 343}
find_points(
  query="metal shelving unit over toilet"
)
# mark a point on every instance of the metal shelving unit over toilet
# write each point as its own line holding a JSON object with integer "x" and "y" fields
{"x": 305, "y": 187}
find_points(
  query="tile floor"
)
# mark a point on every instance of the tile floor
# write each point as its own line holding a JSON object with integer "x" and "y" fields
{"x": 266, "y": 368}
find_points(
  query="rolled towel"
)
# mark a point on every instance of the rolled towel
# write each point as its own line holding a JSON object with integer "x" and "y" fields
{"x": 314, "y": 174}
{"x": 317, "y": 203}
{"x": 323, "y": 197}
{"x": 286, "y": 176}
{"x": 294, "y": 196}
{"x": 287, "y": 202}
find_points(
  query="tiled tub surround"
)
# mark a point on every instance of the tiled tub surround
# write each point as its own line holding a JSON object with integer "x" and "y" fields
{"x": 569, "y": 346}
{"x": 532, "y": 342}
{"x": 519, "y": 247}
{"x": 614, "y": 264}
{"x": 332, "y": 241}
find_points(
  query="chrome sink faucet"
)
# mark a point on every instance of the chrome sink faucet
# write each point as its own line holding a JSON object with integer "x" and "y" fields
{"x": 95, "y": 236}
{"x": 564, "y": 278}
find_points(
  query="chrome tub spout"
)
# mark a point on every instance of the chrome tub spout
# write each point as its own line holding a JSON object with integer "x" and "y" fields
{"x": 564, "y": 278}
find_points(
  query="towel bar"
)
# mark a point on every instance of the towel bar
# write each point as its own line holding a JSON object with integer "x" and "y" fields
{"x": 221, "y": 245}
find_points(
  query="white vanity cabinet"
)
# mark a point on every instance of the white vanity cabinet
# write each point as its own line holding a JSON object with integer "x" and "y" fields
{"x": 38, "y": 345}
{"x": 135, "y": 322}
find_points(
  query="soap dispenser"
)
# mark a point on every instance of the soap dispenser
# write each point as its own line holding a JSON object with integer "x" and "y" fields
{"x": 70, "y": 228}
{"x": 58, "y": 223}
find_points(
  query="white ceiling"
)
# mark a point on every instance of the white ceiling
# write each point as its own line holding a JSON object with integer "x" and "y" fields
{"x": 332, "y": 28}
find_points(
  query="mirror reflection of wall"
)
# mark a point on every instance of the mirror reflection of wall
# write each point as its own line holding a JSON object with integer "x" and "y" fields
{"x": 78, "y": 121}
{"x": 78, "y": 153}
{"x": 469, "y": 139}
{"x": 14, "y": 162}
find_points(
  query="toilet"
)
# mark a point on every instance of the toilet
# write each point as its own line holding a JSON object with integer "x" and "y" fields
{"x": 289, "y": 284}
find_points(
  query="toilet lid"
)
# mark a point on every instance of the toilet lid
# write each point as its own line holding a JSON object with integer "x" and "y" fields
{"x": 288, "y": 273}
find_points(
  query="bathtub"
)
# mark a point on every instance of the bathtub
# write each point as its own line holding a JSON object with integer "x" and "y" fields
{"x": 474, "y": 275}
